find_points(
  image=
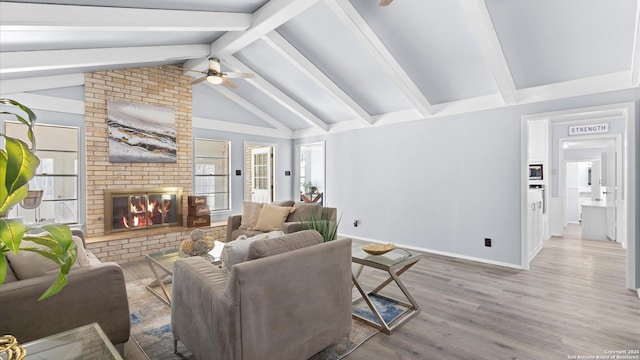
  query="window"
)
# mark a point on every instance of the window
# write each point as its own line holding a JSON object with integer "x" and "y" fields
{"x": 57, "y": 175}
{"x": 212, "y": 172}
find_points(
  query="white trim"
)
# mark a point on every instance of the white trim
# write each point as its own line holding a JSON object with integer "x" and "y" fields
{"x": 219, "y": 125}
{"x": 438, "y": 252}
{"x": 48, "y": 17}
{"x": 41, "y": 83}
{"x": 635, "y": 55}
{"x": 524, "y": 193}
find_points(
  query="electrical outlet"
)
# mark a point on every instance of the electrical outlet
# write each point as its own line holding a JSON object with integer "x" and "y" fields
{"x": 487, "y": 242}
{"x": 355, "y": 223}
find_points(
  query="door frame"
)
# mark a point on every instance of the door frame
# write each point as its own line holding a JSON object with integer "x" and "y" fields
{"x": 274, "y": 180}
{"x": 604, "y": 112}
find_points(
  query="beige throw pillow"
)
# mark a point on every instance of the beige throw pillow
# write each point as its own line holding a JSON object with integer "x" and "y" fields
{"x": 27, "y": 264}
{"x": 250, "y": 212}
{"x": 272, "y": 217}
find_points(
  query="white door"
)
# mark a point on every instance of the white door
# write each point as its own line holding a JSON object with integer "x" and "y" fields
{"x": 609, "y": 176}
{"x": 261, "y": 174}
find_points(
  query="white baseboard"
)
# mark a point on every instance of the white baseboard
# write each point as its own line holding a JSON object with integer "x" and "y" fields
{"x": 437, "y": 252}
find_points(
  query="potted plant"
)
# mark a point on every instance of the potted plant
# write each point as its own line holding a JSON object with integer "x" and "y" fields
{"x": 18, "y": 165}
{"x": 322, "y": 224}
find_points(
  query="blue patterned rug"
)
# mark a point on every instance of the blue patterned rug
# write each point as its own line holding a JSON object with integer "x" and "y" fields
{"x": 388, "y": 308}
{"x": 151, "y": 329}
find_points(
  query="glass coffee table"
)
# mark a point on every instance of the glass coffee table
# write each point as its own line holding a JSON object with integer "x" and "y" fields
{"x": 85, "y": 342}
{"x": 161, "y": 263}
{"x": 384, "y": 312}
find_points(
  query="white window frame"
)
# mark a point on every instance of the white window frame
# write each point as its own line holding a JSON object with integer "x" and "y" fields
{"x": 212, "y": 208}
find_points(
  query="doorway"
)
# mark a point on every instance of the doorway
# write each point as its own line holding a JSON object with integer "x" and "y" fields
{"x": 591, "y": 182}
{"x": 620, "y": 124}
{"x": 310, "y": 172}
{"x": 259, "y": 172}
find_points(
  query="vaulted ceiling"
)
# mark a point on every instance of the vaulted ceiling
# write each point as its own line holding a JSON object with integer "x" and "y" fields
{"x": 332, "y": 65}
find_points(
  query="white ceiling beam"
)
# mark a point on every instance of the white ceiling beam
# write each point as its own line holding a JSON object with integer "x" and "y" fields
{"x": 635, "y": 57}
{"x": 584, "y": 86}
{"x": 277, "y": 95}
{"x": 49, "y": 103}
{"x": 24, "y": 61}
{"x": 219, "y": 125}
{"x": 365, "y": 35}
{"x": 271, "y": 15}
{"x": 252, "y": 109}
{"x": 44, "y": 17}
{"x": 289, "y": 52}
{"x": 41, "y": 83}
{"x": 264, "y": 20}
{"x": 488, "y": 42}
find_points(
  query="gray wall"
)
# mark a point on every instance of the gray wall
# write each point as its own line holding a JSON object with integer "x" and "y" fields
{"x": 638, "y": 195}
{"x": 283, "y": 157}
{"x": 441, "y": 184}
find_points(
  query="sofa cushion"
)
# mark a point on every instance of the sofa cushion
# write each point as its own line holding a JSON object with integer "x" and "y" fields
{"x": 284, "y": 203}
{"x": 27, "y": 264}
{"x": 272, "y": 217}
{"x": 250, "y": 212}
{"x": 10, "y": 276}
{"x": 303, "y": 212}
{"x": 235, "y": 252}
{"x": 268, "y": 247}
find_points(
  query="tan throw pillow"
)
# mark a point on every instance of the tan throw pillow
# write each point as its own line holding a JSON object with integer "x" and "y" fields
{"x": 27, "y": 264}
{"x": 250, "y": 212}
{"x": 272, "y": 217}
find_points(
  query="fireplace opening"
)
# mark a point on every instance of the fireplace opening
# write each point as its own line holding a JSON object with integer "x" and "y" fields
{"x": 133, "y": 209}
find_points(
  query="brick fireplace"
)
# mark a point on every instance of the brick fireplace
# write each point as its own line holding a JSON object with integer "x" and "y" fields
{"x": 164, "y": 86}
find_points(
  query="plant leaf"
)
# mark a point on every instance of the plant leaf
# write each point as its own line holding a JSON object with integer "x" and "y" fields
{"x": 11, "y": 233}
{"x": 55, "y": 288}
{"x": 30, "y": 114}
{"x": 3, "y": 268}
{"x": 19, "y": 167}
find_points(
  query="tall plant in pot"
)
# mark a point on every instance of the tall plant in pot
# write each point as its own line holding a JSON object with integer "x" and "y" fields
{"x": 18, "y": 165}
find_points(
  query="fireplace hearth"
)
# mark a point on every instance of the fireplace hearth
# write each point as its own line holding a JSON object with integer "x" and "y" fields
{"x": 136, "y": 209}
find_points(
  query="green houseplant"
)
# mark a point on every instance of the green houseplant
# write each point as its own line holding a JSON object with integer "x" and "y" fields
{"x": 322, "y": 224}
{"x": 18, "y": 165}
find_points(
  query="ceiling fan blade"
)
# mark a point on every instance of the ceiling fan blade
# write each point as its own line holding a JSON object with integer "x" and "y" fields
{"x": 239, "y": 75}
{"x": 229, "y": 83}
{"x": 385, "y": 2}
{"x": 196, "y": 81}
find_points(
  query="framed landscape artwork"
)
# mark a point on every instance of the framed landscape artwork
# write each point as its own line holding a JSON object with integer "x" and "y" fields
{"x": 141, "y": 133}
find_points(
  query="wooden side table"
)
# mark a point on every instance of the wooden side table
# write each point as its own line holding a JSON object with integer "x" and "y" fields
{"x": 394, "y": 263}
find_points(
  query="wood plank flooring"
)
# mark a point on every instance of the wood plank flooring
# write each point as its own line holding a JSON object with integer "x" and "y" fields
{"x": 573, "y": 301}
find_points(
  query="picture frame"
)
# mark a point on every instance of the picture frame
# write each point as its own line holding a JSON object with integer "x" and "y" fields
{"x": 535, "y": 172}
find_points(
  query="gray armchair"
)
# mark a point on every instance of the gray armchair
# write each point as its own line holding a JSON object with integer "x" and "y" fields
{"x": 273, "y": 306}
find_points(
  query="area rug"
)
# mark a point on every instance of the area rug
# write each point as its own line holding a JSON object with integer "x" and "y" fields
{"x": 151, "y": 329}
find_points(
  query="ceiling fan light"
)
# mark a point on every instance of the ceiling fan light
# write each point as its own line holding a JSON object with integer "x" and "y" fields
{"x": 214, "y": 79}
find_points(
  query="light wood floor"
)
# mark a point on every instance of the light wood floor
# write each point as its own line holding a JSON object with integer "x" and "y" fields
{"x": 573, "y": 301}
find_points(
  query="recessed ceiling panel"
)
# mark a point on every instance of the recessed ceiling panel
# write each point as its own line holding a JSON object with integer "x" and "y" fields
{"x": 63, "y": 40}
{"x": 321, "y": 37}
{"x": 435, "y": 45}
{"x": 549, "y": 41}
{"x": 210, "y": 104}
{"x": 240, "y": 6}
{"x": 280, "y": 72}
{"x": 269, "y": 106}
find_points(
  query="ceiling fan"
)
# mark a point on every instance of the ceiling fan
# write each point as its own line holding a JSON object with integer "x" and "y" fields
{"x": 385, "y": 2}
{"x": 215, "y": 76}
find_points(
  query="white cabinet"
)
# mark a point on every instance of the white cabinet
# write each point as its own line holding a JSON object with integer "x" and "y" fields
{"x": 538, "y": 141}
{"x": 535, "y": 232}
